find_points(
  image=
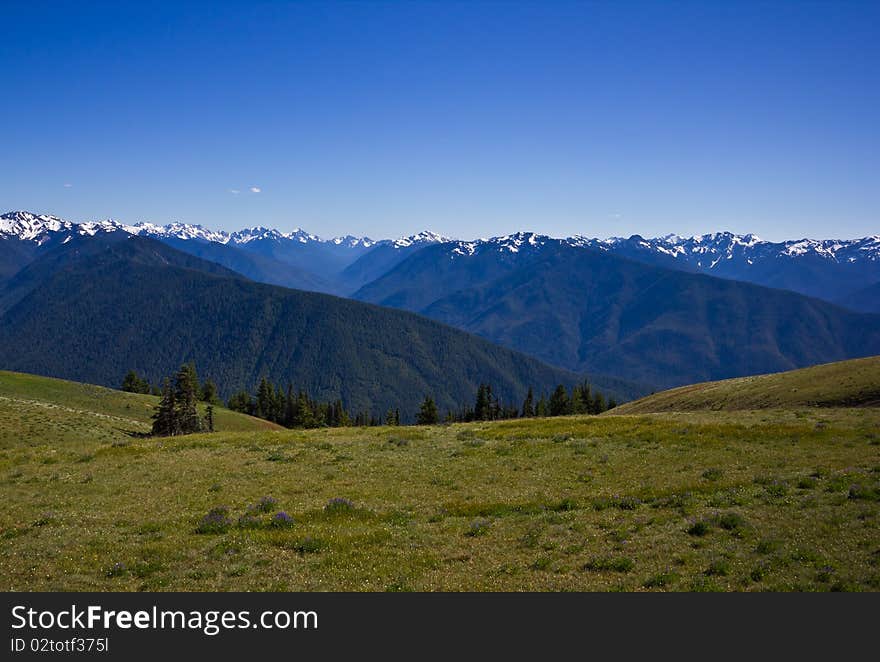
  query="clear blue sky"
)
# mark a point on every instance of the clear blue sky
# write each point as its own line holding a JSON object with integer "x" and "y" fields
{"x": 471, "y": 119}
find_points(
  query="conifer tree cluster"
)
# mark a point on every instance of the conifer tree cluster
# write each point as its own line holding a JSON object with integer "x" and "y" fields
{"x": 134, "y": 383}
{"x": 295, "y": 409}
{"x": 582, "y": 399}
{"x": 177, "y": 411}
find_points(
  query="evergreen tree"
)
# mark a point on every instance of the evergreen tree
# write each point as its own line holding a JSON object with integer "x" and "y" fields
{"x": 577, "y": 404}
{"x": 164, "y": 418}
{"x": 528, "y": 408}
{"x": 586, "y": 398}
{"x": 209, "y": 417}
{"x": 560, "y": 405}
{"x": 482, "y": 405}
{"x": 240, "y": 402}
{"x": 428, "y": 414}
{"x": 541, "y": 407}
{"x": 289, "y": 407}
{"x": 598, "y": 403}
{"x": 209, "y": 392}
{"x": 133, "y": 383}
{"x": 186, "y": 397}
{"x": 265, "y": 395}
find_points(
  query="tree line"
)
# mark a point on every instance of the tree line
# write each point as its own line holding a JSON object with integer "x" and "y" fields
{"x": 177, "y": 411}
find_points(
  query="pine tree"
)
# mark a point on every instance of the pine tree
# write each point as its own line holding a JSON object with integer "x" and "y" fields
{"x": 133, "y": 383}
{"x": 528, "y": 408}
{"x": 560, "y": 405}
{"x": 165, "y": 418}
{"x": 186, "y": 397}
{"x": 428, "y": 414}
{"x": 586, "y": 398}
{"x": 598, "y": 403}
{"x": 209, "y": 417}
{"x": 240, "y": 402}
{"x": 289, "y": 407}
{"x": 481, "y": 407}
{"x": 263, "y": 407}
{"x": 209, "y": 392}
{"x": 541, "y": 407}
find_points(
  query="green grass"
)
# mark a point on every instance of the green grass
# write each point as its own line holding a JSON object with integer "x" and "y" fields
{"x": 854, "y": 383}
{"x": 41, "y": 410}
{"x": 785, "y": 500}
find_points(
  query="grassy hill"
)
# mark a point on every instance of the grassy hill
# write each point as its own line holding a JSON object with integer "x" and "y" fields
{"x": 663, "y": 502}
{"x": 41, "y": 410}
{"x": 854, "y": 383}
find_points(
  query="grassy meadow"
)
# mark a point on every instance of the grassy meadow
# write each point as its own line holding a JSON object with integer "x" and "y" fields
{"x": 732, "y": 501}
{"x": 853, "y": 383}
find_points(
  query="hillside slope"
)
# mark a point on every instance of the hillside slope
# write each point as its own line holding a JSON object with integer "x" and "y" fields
{"x": 854, "y": 383}
{"x": 56, "y": 411}
{"x": 133, "y": 307}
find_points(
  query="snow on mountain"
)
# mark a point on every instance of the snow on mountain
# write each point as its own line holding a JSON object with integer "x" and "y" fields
{"x": 353, "y": 242}
{"x": 423, "y": 237}
{"x": 707, "y": 251}
{"x": 703, "y": 252}
{"x": 38, "y": 228}
{"x": 32, "y": 227}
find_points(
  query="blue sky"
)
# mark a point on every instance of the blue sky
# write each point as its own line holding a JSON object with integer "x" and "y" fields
{"x": 471, "y": 119}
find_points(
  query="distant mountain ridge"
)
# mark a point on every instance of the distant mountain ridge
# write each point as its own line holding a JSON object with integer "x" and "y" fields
{"x": 842, "y": 271}
{"x": 583, "y": 308}
{"x": 117, "y": 302}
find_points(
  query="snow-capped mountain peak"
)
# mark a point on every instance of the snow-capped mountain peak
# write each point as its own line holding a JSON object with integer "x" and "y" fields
{"x": 423, "y": 237}
{"x": 31, "y": 227}
{"x": 179, "y": 231}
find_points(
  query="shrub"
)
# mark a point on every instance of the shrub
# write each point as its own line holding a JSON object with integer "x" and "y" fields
{"x": 216, "y": 521}
{"x": 116, "y": 570}
{"x": 248, "y": 521}
{"x": 862, "y": 492}
{"x": 759, "y": 572}
{"x": 713, "y": 474}
{"x": 660, "y": 580}
{"x": 767, "y": 546}
{"x": 565, "y": 505}
{"x": 619, "y": 502}
{"x": 621, "y": 564}
{"x": 282, "y": 520}
{"x": 698, "y": 528}
{"x": 45, "y": 518}
{"x": 731, "y": 521}
{"x": 339, "y": 506}
{"x": 776, "y": 489}
{"x": 718, "y": 568}
{"x": 266, "y": 504}
{"x": 309, "y": 545}
{"x": 478, "y": 527}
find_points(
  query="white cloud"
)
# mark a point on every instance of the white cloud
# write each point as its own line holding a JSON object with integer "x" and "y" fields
{"x": 234, "y": 191}
{"x": 255, "y": 189}
{"x": 68, "y": 186}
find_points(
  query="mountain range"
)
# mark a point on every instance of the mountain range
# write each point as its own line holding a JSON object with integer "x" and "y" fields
{"x": 96, "y": 306}
{"x": 836, "y": 270}
{"x": 659, "y": 312}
